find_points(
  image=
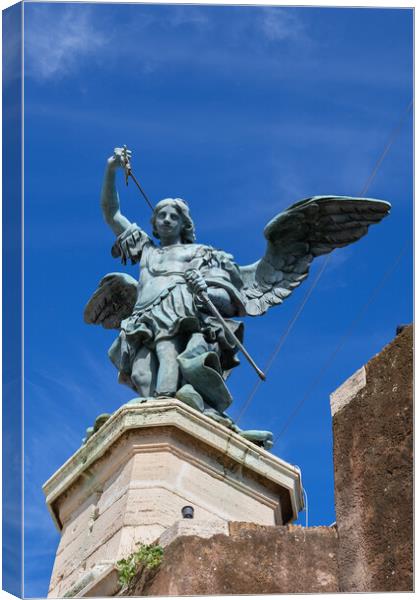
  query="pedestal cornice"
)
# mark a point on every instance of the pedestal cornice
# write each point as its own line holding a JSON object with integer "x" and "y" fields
{"x": 173, "y": 413}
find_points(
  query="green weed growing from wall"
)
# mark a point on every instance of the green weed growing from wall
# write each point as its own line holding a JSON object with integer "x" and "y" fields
{"x": 146, "y": 556}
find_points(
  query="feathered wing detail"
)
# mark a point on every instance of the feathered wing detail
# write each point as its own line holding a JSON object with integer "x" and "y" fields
{"x": 112, "y": 302}
{"x": 307, "y": 229}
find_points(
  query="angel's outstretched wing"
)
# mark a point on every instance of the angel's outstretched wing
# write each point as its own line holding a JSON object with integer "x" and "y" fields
{"x": 307, "y": 229}
{"x": 112, "y": 302}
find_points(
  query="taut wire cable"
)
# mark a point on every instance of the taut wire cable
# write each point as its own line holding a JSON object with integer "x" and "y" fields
{"x": 391, "y": 139}
{"x": 343, "y": 340}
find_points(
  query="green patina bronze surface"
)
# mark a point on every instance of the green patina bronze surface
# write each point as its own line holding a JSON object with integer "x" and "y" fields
{"x": 169, "y": 343}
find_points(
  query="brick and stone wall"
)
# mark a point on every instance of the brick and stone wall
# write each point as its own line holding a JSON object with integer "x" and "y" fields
{"x": 250, "y": 559}
{"x": 373, "y": 471}
{"x": 370, "y": 549}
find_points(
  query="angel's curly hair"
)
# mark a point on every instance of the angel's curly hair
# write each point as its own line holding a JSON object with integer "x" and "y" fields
{"x": 188, "y": 231}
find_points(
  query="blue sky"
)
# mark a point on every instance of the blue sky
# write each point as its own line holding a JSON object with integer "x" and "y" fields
{"x": 241, "y": 111}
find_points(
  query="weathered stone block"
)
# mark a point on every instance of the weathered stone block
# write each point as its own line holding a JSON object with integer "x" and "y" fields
{"x": 373, "y": 445}
{"x": 246, "y": 559}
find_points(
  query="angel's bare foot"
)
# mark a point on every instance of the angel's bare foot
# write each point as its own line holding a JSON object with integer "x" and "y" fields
{"x": 190, "y": 396}
{"x": 164, "y": 395}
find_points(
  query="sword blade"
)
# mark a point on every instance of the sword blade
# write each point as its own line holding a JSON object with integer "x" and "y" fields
{"x": 141, "y": 189}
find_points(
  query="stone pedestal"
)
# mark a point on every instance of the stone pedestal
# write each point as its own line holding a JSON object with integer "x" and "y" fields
{"x": 130, "y": 481}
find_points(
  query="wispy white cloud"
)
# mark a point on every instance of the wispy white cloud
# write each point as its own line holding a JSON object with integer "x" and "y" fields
{"x": 279, "y": 24}
{"x": 61, "y": 40}
{"x": 188, "y": 15}
{"x": 55, "y": 46}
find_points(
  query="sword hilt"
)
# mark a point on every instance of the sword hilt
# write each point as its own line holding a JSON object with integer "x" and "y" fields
{"x": 127, "y": 166}
{"x": 128, "y": 173}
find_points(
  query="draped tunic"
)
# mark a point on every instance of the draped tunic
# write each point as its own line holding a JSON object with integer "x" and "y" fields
{"x": 166, "y": 308}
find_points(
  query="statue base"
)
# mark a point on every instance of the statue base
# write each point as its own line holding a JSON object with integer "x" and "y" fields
{"x": 129, "y": 483}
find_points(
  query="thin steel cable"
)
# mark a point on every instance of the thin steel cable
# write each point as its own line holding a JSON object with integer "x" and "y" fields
{"x": 343, "y": 340}
{"x": 283, "y": 339}
{"x": 306, "y": 507}
{"x": 391, "y": 139}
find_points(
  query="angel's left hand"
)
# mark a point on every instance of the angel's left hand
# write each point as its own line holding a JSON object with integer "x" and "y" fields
{"x": 195, "y": 281}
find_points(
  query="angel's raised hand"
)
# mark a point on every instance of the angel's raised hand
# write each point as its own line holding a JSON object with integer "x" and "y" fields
{"x": 120, "y": 157}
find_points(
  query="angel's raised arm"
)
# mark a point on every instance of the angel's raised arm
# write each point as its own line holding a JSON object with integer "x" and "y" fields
{"x": 110, "y": 201}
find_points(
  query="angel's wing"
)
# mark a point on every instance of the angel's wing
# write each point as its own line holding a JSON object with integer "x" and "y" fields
{"x": 307, "y": 229}
{"x": 112, "y": 302}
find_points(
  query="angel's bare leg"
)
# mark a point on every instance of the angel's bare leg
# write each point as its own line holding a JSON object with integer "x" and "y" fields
{"x": 144, "y": 372}
{"x": 168, "y": 373}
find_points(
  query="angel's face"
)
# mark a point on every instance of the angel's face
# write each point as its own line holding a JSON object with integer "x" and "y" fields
{"x": 169, "y": 224}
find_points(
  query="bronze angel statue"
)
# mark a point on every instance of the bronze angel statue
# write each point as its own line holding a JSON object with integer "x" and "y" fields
{"x": 170, "y": 344}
